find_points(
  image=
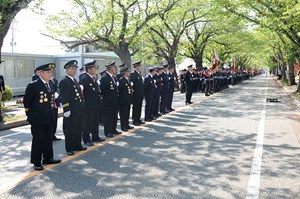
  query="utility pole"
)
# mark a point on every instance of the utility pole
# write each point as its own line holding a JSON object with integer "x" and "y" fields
{"x": 13, "y": 43}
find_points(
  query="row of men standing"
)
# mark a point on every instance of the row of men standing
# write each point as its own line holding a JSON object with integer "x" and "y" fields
{"x": 81, "y": 102}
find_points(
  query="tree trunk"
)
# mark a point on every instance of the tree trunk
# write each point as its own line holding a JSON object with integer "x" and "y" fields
{"x": 124, "y": 54}
{"x": 199, "y": 61}
{"x": 290, "y": 74}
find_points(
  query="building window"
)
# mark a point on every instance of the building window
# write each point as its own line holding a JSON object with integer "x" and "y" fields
{"x": 30, "y": 65}
{"x": 9, "y": 68}
{"x": 20, "y": 65}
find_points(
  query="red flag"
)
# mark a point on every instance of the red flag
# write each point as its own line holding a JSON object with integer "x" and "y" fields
{"x": 234, "y": 65}
{"x": 214, "y": 62}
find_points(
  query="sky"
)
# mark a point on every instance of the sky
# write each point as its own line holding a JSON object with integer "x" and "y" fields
{"x": 28, "y": 27}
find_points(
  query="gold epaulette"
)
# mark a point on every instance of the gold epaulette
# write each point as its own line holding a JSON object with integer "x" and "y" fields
{"x": 65, "y": 105}
{"x": 26, "y": 109}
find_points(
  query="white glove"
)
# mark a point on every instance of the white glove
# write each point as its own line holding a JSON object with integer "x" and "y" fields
{"x": 81, "y": 87}
{"x": 67, "y": 114}
{"x": 117, "y": 83}
{"x": 131, "y": 83}
{"x": 56, "y": 95}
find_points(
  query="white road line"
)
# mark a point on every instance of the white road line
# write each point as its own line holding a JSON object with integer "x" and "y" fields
{"x": 254, "y": 179}
{"x": 4, "y": 136}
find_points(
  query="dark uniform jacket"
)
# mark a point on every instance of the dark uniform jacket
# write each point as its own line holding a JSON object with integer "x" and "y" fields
{"x": 188, "y": 79}
{"x": 71, "y": 96}
{"x": 149, "y": 86}
{"x": 2, "y": 85}
{"x": 138, "y": 86}
{"x": 125, "y": 91}
{"x": 109, "y": 90}
{"x": 38, "y": 103}
{"x": 91, "y": 91}
{"x": 171, "y": 82}
{"x": 165, "y": 82}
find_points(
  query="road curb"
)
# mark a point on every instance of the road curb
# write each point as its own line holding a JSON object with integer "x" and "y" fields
{"x": 18, "y": 123}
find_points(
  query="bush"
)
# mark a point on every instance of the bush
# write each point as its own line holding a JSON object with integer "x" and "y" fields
{"x": 7, "y": 95}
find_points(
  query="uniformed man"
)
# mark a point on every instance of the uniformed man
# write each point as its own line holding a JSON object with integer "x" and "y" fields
{"x": 38, "y": 103}
{"x": 138, "y": 93}
{"x": 91, "y": 93}
{"x": 164, "y": 90}
{"x": 125, "y": 98}
{"x": 101, "y": 99}
{"x": 54, "y": 84}
{"x": 82, "y": 72}
{"x": 149, "y": 86}
{"x": 35, "y": 75}
{"x": 156, "y": 100}
{"x": 72, "y": 102}
{"x": 189, "y": 84}
{"x": 171, "y": 88}
{"x": 2, "y": 89}
{"x": 109, "y": 90}
{"x": 182, "y": 82}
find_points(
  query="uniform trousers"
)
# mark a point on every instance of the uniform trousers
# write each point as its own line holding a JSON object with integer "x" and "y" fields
{"x": 188, "y": 94}
{"x": 156, "y": 103}
{"x": 163, "y": 101}
{"x": 73, "y": 127}
{"x": 148, "y": 107}
{"x": 91, "y": 124}
{"x": 137, "y": 108}
{"x": 124, "y": 111}
{"x": 41, "y": 143}
{"x": 110, "y": 117}
{"x": 170, "y": 100}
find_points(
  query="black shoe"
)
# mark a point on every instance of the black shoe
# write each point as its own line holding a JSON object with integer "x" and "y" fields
{"x": 148, "y": 120}
{"x": 70, "y": 152}
{"x": 51, "y": 161}
{"x": 89, "y": 143}
{"x": 172, "y": 109}
{"x": 124, "y": 129}
{"x": 117, "y": 132}
{"x": 136, "y": 124}
{"x": 141, "y": 122}
{"x": 38, "y": 167}
{"x": 130, "y": 127}
{"x": 56, "y": 138}
{"x": 98, "y": 139}
{"x": 159, "y": 114}
{"x": 206, "y": 94}
{"x": 154, "y": 118}
{"x": 83, "y": 148}
{"x": 109, "y": 135}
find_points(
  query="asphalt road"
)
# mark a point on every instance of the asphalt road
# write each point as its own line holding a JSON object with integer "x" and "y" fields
{"x": 232, "y": 144}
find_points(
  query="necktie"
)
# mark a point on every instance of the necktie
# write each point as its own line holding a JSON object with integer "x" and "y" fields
{"x": 48, "y": 87}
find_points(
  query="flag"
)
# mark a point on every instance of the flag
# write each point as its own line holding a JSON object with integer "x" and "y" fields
{"x": 234, "y": 65}
{"x": 214, "y": 62}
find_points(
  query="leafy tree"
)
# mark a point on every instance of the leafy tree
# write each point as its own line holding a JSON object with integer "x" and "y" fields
{"x": 112, "y": 25}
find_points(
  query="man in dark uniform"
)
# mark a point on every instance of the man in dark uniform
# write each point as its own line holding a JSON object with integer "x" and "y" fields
{"x": 189, "y": 84}
{"x": 109, "y": 90}
{"x": 182, "y": 82}
{"x": 91, "y": 93}
{"x": 119, "y": 75}
{"x": 149, "y": 86}
{"x": 35, "y": 76}
{"x": 138, "y": 93}
{"x": 101, "y": 100}
{"x": 2, "y": 89}
{"x": 125, "y": 99}
{"x": 72, "y": 102}
{"x": 171, "y": 88}
{"x": 38, "y": 103}
{"x": 82, "y": 72}
{"x": 55, "y": 90}
{"x": 164, "y": 90}
{"x": 156, "y": 99}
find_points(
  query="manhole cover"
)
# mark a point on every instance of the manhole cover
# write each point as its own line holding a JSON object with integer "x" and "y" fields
{"x": 272, "y": 100}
